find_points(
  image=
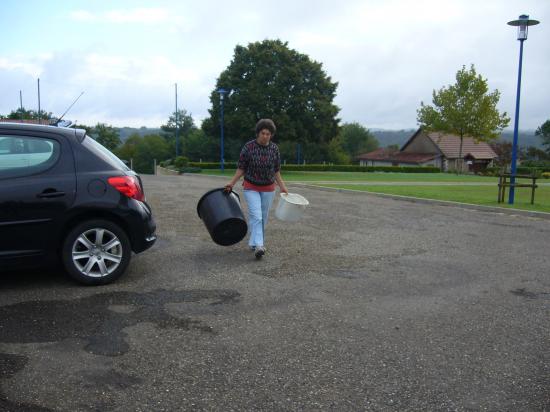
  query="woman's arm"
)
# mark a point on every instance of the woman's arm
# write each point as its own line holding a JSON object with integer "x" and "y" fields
{"x": 238, "y": 174}
{"x": 280, "y": 182}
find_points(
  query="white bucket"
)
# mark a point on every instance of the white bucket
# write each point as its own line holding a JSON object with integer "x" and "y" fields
{"x": 291, "y": 207}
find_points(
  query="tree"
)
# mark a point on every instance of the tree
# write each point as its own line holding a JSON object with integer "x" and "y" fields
{"x": 269, "y": 80}
{"x": 185, "y": 123}
{"x": 536, "y": 154}
{"x": 25, "y": 114}
{"x": 543, "y": 132}
{"x": 337, "y": 153}
{"x": 106, "y": 135}
{"x": 503, "y": 149}
{"x": 186, "y": 126}
{"x": 198, "y": 146}
{"x": 144, "y": 151}
{"x": 465, "y": 108}
{"x": 357, "y": 140}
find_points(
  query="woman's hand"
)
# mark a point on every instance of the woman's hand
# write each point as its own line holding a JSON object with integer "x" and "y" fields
{"x": 228, "y": 188}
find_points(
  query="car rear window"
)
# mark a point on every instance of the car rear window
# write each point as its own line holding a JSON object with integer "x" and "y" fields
{"x": 101, "y": 151}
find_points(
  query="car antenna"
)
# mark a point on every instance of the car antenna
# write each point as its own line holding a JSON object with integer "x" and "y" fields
{"x": 69, "y": 108}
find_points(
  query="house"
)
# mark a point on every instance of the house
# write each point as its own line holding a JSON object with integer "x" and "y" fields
{"x": 434, "y": 149}
{"x": 389, "y": 157}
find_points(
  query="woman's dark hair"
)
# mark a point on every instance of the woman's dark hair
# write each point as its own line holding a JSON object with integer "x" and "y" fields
{"x": 265, "y": 124}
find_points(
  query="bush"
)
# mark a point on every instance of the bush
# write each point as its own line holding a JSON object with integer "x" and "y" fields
{"x": 213, "y": 165}
{"x": 180, "y": 162}
{"x": 330, "y": 168}
{"x": 357, "y": 168}
{"x": 537, "y": 164}
{"x": 545, "y": 175}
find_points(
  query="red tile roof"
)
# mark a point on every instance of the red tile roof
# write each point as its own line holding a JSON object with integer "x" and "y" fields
{"x": 378, "y": 154}
{"x": 395, "y": 156}
{"x": 450, "y": 146}
{"x": 404, "y": 157}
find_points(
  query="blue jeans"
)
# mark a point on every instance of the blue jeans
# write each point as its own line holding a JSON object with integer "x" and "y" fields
{"x": 259, "y": 204}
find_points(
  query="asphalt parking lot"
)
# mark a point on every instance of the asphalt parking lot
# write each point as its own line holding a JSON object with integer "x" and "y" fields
{"x": 367, "y": 303}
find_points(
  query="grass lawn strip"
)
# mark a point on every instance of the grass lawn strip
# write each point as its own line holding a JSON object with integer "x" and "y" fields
{"x": 477, "y": 195}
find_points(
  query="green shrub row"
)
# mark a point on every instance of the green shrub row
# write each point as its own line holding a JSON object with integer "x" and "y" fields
{"x": 213, "y": 165}
{"x": 521, "y": 170}
{"x": 329, "y": 168}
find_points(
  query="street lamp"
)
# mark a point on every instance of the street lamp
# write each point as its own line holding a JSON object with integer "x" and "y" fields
{"x": 222, "y": 93}
{"x": 523, "y": 23}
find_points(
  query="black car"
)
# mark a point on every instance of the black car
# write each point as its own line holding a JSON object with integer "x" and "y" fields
{"x": 64, "y": 197}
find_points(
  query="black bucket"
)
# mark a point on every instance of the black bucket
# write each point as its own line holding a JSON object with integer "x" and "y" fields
{"x": 222, "y": 215}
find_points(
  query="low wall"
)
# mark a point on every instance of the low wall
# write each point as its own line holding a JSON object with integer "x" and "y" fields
{"x": 164, "y": 171}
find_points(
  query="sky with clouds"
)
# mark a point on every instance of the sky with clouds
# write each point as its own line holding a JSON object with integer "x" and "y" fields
{"x": 387, "y": 56}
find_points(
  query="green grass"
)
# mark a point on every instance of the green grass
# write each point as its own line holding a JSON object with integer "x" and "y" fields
{"x": 292, "y": 176}
{"x": 478, "y": 195}
{"x": 478, "y": 190}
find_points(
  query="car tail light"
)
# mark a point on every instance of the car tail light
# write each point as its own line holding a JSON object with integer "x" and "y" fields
{"x": 128, "y": 186}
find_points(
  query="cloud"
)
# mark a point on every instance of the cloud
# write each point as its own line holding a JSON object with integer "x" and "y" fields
{"x": 137, "y": 15}
{"x": 31, "y": 66}
{"x": 82, "y": 15}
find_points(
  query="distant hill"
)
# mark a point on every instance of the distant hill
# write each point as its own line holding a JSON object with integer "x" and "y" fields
{"x": 385, "y": 138}
{"x": 389, "y": 137}
{"x": 526, "y": 138}
{"x": 125, "y": 132}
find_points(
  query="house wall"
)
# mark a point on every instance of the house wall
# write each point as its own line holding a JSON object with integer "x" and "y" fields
{"x": 474, "y": 166}
{"x": 435, "y": 162}
{"x": 374, "y": 163}
{"x": 421, "y": 144}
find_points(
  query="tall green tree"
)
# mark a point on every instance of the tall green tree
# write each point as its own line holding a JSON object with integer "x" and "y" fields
{"x": 357, "y": 139}
{"x": 465, "y": 108}
{"x": 543, "y": 131}
{"x": 106, "y": 135}
{"x": 269, "y": 80}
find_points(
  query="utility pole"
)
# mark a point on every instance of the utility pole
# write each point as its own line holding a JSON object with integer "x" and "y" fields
{"x": 39, "y": 121}
{"x": 21, "y": 104}
{"x": 177, "y": 134}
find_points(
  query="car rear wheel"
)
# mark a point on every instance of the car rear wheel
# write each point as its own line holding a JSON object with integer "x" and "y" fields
{"x": 96, "y": 252}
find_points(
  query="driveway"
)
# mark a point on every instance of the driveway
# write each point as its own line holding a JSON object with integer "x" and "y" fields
{"x": 368, "y": 303}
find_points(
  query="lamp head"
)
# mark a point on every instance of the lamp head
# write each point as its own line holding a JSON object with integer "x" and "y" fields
{"x": 222, "y": 93}
{"x": 522, "y": 24}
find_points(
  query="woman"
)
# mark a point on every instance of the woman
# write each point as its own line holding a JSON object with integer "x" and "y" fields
{"x": 260, "y": 164}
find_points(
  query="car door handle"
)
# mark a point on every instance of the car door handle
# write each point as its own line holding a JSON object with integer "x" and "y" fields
{"x": 50, "y": 193}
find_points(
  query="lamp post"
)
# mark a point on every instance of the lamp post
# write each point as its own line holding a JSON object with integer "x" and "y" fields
{"x": 523, "y": 23}
{"x": 222, "y": 93}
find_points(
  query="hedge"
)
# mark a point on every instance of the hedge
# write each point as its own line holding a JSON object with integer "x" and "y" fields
{"x": 330, "y": 168}
{"x": 520, "y": 170}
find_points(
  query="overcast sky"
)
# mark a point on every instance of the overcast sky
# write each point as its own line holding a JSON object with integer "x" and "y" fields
{"x": 387, "y": 56}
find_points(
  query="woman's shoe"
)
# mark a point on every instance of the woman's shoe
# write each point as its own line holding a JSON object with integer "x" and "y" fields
{"x": 260, "y": 251}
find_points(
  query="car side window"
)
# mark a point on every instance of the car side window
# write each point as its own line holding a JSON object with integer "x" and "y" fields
{"x": 26, "y": 155}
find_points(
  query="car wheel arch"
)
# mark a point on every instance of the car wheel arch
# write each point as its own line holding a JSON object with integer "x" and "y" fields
{"x": 86, "y": 215}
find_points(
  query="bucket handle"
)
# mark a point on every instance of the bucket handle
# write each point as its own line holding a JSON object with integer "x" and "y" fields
{"x": 232, "y": 191}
